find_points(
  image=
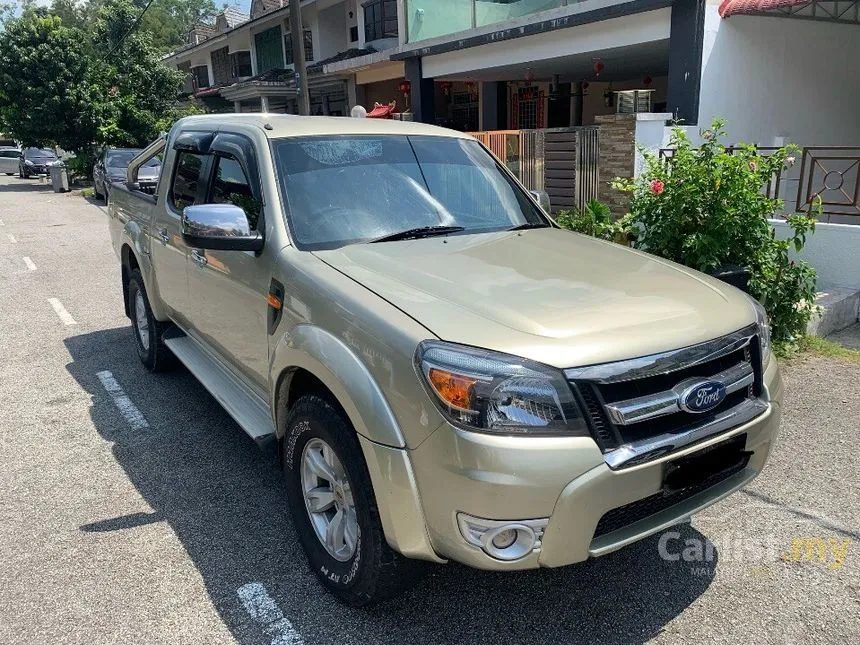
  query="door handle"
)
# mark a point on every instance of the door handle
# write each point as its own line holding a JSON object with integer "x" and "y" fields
{"x": 199, "y": 257}
{"x": 164, "y": 236}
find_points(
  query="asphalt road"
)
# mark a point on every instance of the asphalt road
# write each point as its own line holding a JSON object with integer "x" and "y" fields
{"x": 172, "y": 527}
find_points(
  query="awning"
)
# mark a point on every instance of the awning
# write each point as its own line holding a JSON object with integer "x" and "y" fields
{"x": 737, "y": 7}
{"x": 381, "y": 112}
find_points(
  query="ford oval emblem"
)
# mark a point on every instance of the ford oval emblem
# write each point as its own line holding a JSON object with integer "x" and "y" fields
{"x": 702, "y": 396}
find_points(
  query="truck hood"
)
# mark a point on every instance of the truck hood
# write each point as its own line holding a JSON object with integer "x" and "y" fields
{"x": 550, "y": 295}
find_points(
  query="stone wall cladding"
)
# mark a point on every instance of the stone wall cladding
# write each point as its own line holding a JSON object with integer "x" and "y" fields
{"x": 617, "y": 153}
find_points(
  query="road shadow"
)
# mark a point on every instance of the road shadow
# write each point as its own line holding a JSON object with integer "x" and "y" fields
{"x": 31, "y": 185}
{"x": 224, "y": 499}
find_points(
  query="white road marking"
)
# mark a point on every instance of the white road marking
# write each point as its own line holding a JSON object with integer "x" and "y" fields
{"x": 30, "y": 264}
{"x": 64, "y": 315}
{"x": 126, "y": 408}
{"x": 12, "y": 238}
{"x": 264, "y": 611}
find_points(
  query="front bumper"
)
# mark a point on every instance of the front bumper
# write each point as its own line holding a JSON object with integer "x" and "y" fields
{"x": 563, "y": 479}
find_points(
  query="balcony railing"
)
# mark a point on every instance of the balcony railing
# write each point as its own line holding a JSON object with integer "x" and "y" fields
{"x": 433, "y": 18}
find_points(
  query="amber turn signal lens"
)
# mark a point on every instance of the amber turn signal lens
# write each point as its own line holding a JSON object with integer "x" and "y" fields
{"x": 274, "y": 301}
{"x": 454, "y": 389}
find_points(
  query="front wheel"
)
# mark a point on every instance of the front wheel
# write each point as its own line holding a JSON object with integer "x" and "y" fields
{"x": 148, "y": 332}
{"x": 334, "y": 507}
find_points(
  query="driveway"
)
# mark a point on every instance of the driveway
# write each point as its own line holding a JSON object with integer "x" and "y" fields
{"x": 135, "y": 510}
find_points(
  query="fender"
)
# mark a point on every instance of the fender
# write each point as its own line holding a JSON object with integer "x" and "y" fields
{"x": 132, "y": 235}
{"x": 334, "y": 363}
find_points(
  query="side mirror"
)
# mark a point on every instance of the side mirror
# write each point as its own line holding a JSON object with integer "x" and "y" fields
{"x": 220, "y": 227}
{"x": 542, "y": 198}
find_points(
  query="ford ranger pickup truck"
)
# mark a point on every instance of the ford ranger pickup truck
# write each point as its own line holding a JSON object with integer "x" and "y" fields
{"x": 447, "y": 374}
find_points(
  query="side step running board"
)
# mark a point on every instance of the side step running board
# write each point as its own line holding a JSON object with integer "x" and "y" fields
{"x": 249, "y": 410}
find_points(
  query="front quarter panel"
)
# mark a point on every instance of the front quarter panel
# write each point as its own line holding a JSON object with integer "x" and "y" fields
{"x": 358, "y": 345}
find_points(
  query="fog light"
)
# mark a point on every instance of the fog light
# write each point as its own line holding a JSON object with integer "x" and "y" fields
{"x": 503, "y": 540}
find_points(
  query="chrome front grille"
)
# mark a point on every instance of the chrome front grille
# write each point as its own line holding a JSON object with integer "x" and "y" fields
{"x": 635, "y": 407}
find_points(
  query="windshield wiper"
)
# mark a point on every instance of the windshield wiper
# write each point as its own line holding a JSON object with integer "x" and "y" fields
{"x": 416, "y": 233}
{"x": 527, "y": 225}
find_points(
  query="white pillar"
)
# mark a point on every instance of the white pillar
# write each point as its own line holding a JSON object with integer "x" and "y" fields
{"x": 237, "y": 106}
{"x": 264, "y": 103}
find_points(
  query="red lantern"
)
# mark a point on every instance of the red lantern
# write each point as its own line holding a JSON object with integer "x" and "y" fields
{"x": 446, "y": 87}
{"x": 598, "y": 67}
{"x": 405, "y": 88}
{"x": 647, "y": 80}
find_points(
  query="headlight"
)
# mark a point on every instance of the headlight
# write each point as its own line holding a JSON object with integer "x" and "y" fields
{"x": 487, "y": 391}
{"x": 763, "y": 331}
{"x": 27, "y": 162}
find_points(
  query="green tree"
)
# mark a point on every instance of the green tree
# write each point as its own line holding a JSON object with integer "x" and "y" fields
{"x": 169, "y": 21}
{"x": 78, "y": 89}
{"x": 48, "y": 95}
{"x": 140, "y": 91}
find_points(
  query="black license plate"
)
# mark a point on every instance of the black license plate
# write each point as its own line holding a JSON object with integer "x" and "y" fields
{"x": 714, "y": 463}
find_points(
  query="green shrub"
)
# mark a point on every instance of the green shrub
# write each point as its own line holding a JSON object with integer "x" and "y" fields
{"x": 708, "y": 207}
{"x": 595, "y": 220}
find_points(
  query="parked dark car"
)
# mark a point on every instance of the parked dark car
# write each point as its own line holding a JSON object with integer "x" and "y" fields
{"x": 36, "y": 161}
{"x": 112, "y": 166}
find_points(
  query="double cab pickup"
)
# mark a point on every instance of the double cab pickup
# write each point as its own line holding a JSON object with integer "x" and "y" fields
{"x": 446, "y": 373}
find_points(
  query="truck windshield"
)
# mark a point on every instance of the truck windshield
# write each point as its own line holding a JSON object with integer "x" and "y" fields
{"x": 351, "y": 189}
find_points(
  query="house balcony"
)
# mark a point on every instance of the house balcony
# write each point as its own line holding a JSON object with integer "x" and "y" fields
{"x": 432, "y": 19}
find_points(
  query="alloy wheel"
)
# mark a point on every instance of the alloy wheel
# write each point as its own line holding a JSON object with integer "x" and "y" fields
{"x": 329, "y": 500}
{"x": 141, "y": 320}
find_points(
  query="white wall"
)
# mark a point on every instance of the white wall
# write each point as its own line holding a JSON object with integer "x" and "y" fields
{"x": 781, "y": 77}
{"x": 834, "y": 251}
{"x": 332, "y": 32}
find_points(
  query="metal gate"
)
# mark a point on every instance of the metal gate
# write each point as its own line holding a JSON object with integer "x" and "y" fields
{"x": 561, "y": 161}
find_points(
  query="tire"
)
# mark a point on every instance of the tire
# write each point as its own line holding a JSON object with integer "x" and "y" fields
{"x": 96, "y": 194}
{"x": 372, "y": 572}
{"x": 148, "y": 332}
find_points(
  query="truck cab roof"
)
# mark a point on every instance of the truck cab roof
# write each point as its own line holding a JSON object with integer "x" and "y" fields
{"x": 277, "y": 126}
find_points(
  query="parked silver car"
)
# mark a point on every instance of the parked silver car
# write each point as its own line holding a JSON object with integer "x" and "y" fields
{"x": 112, "y": 166}
{"x": 9, "y": 157}
{"x": 36, "y": 161}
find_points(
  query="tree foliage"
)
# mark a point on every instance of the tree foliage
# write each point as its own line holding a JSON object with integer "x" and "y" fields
{"x": 48, "y": 94}
{"x": 78, "y": 80}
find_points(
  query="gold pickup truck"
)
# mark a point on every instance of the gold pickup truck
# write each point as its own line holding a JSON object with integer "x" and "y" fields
{"x": 447, "y": 374}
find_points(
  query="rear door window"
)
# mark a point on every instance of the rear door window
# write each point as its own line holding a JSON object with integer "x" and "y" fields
{"x": 186, "y": 179}
{"x": 231, "y": 186}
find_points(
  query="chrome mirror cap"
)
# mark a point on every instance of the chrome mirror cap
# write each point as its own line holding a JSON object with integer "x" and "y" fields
{"x": 542, "y": 198}
{"x": 222, "y": 227}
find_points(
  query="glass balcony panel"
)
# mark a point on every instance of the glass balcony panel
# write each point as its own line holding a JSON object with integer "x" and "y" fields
{"x": 433, "y": 18}
{"x": 488, "y": 12}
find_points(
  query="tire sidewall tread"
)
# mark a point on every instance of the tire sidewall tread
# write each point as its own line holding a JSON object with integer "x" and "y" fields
{"x": 371, "y": 574}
